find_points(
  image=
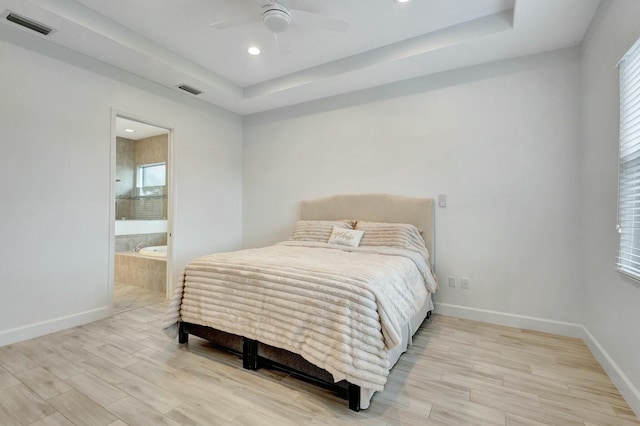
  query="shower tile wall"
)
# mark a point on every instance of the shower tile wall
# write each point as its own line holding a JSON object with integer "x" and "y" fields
{"x": 130, "y": 154}
{"x": 125, "y": 176}
{"x": 151, "y": 150}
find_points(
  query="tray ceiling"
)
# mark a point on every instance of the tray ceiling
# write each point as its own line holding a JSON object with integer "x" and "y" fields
{"x": 171, "y": 42}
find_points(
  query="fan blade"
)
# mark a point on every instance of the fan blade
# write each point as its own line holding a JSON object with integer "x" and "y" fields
{"x": 283, "y": 40}
{"x": 264, "y": 2}
{"x": 230, "y": 23}
{"x": 321, "y": 21}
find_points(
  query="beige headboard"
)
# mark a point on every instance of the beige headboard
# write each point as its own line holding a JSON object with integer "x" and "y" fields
{"x": 376, "y": 208}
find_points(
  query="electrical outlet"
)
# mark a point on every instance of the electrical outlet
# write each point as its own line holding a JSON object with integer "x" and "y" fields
{"x": 452, "y": 281}
{"x": 464, "y": 283}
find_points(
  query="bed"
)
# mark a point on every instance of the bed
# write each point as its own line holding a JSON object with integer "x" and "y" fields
{"x": 328, "y": 311}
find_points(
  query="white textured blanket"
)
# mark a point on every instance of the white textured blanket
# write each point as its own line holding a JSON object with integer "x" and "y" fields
{"x": 340, "y": 308}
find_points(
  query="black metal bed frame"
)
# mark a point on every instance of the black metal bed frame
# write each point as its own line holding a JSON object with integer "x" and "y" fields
{"x": 256, "y": 355}
{"x": 288, "y": 362}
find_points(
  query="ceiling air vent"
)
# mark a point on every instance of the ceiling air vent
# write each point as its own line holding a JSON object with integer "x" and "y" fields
{"x": 29, "y": 23}
{"x": 190, "y": 89}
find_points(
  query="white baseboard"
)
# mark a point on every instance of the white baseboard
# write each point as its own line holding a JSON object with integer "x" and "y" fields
{"x": 512, "y": 320}
{"x": 617, "y": 376}
{"x": 31, "y": 331}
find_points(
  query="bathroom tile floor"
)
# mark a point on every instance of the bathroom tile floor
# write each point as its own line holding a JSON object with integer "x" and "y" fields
{"x": 127, "y": 297}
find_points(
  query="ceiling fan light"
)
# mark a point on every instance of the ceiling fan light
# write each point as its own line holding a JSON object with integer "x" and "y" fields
{"x": 276, "y": 20}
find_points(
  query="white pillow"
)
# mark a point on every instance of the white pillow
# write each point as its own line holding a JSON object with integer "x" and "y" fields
{"x": 317, "y": 230}
{"x": 345, "y": 237}
{"x": 401, "y": 235}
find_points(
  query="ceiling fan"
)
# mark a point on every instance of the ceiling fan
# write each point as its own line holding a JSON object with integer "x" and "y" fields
{"x": 278, "y": 18}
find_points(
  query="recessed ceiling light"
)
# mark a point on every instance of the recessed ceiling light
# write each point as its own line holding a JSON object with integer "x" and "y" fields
{"x": 128, "y": 130}
{"x": 402, "y": 1}
{"x": 253, "y": 50}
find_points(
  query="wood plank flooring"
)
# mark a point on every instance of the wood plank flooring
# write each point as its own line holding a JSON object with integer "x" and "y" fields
{"x": 125, "y": 371}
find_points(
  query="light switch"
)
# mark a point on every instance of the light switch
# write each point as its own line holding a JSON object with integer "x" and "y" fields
{"x": 442, "y": 200}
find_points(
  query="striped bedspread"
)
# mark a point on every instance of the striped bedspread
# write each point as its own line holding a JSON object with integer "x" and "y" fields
{"x": 340, "y": 308}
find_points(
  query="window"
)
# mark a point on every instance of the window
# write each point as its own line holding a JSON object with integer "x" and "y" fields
{"x": 152, "y": 175}
{"x": 629, "y": 165}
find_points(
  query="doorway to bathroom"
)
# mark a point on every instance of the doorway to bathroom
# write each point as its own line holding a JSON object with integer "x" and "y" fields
{"x": 141, "y": 213}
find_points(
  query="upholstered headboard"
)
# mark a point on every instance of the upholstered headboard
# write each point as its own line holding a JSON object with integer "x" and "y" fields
{"x": 376, "y": 208}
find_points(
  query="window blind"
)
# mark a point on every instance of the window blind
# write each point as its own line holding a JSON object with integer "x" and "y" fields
{"x": 629, "y": 164}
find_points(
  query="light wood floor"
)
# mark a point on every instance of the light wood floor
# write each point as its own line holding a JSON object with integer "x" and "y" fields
{"x": 123, "y": 370}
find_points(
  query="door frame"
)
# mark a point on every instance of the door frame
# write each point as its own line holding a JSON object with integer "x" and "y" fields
{"x": 171, "y": 196}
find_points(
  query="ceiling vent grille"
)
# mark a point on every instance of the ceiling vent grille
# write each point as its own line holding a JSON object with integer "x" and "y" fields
{"x": 190, "y": 89}
{"x": 29, "y": 23}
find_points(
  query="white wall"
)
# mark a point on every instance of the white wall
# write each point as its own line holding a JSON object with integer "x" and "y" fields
{"x": 137, "y": 227}
{"x": 55, "y": 124}
{"x": 612, "y": 300}
{"x": 501, "y": 140}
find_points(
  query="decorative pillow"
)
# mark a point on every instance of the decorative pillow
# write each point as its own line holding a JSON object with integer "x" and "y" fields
{"x": 317, "y": 230}
{"x": 402, "y": 235}
{"x": 345, "y": 237}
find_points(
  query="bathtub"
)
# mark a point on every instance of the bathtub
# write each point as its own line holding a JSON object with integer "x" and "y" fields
{"x": 154, "y": 251}
{"x": 142, "y": 270}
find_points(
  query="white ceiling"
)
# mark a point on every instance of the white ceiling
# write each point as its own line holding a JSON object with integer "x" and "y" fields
{"x": 136, "y": 130}
{"x": 171, "y": 42}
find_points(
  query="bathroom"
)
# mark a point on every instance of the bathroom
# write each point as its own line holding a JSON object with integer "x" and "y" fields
{"x": 141, "y": 198}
